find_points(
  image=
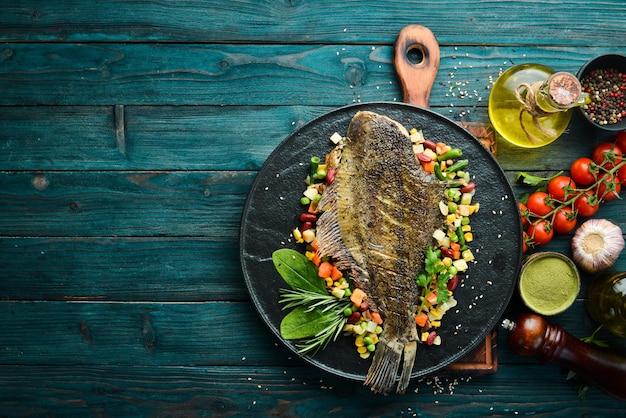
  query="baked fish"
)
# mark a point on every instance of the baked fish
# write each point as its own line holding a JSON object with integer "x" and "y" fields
{"x": 378, "y": 218}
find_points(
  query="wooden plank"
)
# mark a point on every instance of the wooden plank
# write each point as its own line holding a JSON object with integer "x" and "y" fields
{"x": 108, "y": 204}
{"x": 494, "y": 22}
{"x": 276, "y": 74}
{"x": 154, "y": 137}
{"x": 136, "y": 333}
{"x": 71, "y": 269}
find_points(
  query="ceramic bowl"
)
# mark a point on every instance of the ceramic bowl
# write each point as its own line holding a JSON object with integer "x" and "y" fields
{"x": 603, "y": 62}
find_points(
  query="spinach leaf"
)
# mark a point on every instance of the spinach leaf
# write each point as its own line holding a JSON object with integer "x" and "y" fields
{"x": 297, "y": 271}
{"x": 304, "y": 323}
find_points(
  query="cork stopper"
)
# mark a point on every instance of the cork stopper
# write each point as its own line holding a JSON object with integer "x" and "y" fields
{"x": 564, "y": 89}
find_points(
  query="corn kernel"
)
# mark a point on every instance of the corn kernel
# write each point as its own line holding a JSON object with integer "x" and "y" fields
{"x": 362, "y": 350}
{"x": 374, "y": 338}
{"x": 435, "y": 324}
{"x": 310, "y": 255}
{"x": 424, "y": 337}
{"x": 365, "y": 355}
{"x": 358, "y": 341}
{"x": 466, "y": 228}
{"x": 451, "y": 218}
{"x": 469, "y": 237}
{"x": 297, "y": 235}
{"x": 447, "y": 261}
{"x": 467, "y": 255}
{"x": 435, "y": 313}
{"x": 329, "y": 281}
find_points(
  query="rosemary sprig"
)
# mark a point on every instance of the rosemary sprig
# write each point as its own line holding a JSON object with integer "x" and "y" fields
{"x": 316, "y": 320}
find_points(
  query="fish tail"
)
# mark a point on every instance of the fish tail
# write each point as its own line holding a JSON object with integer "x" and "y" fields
{"x": 384, "y": 369}
{"x": 410, "y": 351}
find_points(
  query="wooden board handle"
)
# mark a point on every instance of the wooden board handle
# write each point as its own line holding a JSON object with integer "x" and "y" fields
{"x": 416, "y": 58}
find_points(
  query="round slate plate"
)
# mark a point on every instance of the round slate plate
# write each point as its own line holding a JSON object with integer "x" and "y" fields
{"x": 272, "y": 209}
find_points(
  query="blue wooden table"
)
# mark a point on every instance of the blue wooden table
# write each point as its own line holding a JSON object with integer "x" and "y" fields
{"x": 130, "y": 134}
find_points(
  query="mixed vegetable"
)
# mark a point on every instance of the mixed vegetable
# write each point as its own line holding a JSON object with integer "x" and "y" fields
{"x": 324, "y": 295}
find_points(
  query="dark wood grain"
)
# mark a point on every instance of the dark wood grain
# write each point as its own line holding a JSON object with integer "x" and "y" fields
{"x": 456, "y": 22}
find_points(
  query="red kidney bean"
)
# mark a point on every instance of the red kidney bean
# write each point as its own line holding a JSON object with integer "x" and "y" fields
{"x": 430, "y": 145}
{"x": 364, "y": 306}
{"x": 447, "y": 252}
{"x": 354, "y": 317}
{"x": 453, "y": 282}
{"x": 424, "y": 158}
{"x": 306, "y": 225}
{"x": 431, "y": 338}
{"x": 308, "y": 217}
{"x": 468, "y": 187}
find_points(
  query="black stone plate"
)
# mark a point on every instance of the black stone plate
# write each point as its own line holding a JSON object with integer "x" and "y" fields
{"x": 273, "y": 206}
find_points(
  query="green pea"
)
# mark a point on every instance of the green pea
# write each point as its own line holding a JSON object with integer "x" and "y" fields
{"x": 305, "y": 201}
{"x": 368, "y": 341}
{"x": 371, "y": 348}
{"x": 347, "y": 311}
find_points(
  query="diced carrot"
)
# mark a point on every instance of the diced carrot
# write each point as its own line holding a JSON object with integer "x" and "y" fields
{"x": 440, "y": 147}
{"x": 316, "y": 259}
{"x": 314, "y": 245}
{"x": 357, "y": 297}
{"x": 325, "y": 269}
{"x": 456, "y": 250}
{"x": 421, "y": 319}
{"x": 429, "y": 167}
{"x": 336, "y": 274}
{"x": 432, "y": 298}
{"x": 376, "y": 317}
{"x": 313, "y": 207}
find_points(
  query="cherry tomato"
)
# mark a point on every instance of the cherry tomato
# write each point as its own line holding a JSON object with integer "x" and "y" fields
{"x": 540, "y": 232}
{"x": 607, "y": 154}
{"x": 583, "y": 172}
{"x": 564, "y": 220}
{"x": 538, "y": 203}
{"x": 587, "y": 204}
{"x": 609, "y": 187}
{"x": 620, "y": 140}
{"x": 561, "y": 188}
{"x": 523, "y": 212}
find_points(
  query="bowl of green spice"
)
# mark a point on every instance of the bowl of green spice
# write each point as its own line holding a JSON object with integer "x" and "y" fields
{"x": 549, "y": 282}
{"x": 603, "y": 78}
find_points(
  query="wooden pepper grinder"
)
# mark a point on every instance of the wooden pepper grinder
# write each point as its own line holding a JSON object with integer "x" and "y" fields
{"x": 531, "y": 335}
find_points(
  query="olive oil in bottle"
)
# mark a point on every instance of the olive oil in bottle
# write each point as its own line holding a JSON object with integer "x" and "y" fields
{"x": 529, "y": 104}
{"x": 606, "y": 302}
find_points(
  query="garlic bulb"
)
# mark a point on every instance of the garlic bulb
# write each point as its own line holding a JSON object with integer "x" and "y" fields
{"x": 596, "y": 245}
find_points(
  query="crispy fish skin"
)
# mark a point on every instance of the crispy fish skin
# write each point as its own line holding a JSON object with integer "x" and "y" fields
{"x": 379, "y": 216}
